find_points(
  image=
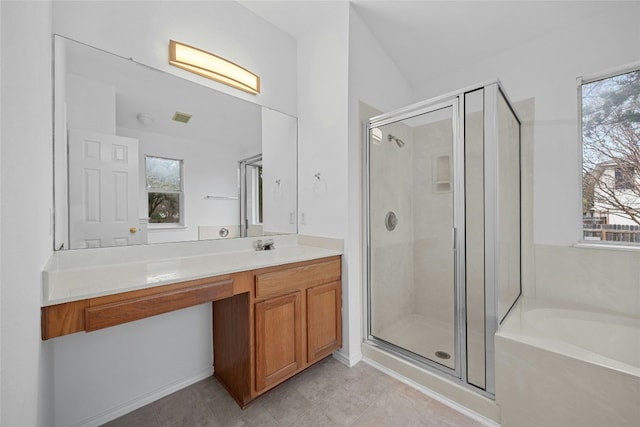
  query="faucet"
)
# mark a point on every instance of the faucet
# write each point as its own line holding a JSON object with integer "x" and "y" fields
{"x": 269, "y": 245}
{"x": 266, "y": 246}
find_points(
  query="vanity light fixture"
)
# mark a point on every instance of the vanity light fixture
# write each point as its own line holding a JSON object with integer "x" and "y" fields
{"x": 212, "y": 67}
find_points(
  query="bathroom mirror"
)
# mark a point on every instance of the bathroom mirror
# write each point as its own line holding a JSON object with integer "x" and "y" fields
{"x": 142, "y": 156}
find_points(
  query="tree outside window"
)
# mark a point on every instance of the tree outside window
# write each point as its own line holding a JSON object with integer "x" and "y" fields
{"x": 164, "y": 190}
{"x": 611, "y": 157}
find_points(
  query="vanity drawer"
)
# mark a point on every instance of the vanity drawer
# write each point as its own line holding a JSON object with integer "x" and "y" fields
{"x": 116, "y": 313}
{"x": 283, "y": 281}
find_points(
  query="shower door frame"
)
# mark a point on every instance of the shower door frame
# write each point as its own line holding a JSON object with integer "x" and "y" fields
{"x": 492, "y": 90}
{"x": 455, "y": 102}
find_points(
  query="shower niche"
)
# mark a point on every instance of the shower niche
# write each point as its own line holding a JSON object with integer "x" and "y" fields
{"x": 439, "y": 282}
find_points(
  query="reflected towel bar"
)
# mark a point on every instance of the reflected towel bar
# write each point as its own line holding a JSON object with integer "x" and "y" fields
{"x": 215, "y": 197}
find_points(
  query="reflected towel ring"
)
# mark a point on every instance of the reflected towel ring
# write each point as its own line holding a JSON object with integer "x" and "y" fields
{"x": 320, "y": 185}
{"x": 277, "y": 188}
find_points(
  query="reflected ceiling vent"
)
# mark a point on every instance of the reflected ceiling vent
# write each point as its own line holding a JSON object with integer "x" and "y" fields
{"x": 181, "y": 117}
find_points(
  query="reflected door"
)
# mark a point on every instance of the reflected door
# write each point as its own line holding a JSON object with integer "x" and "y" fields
{"x": 251, "y": 196}
{"x": 412, "y": 269}
{"x": 103, "y": 189}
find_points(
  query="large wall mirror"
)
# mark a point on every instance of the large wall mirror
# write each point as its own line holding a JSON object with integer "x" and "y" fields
{"x": 142, "y": 156}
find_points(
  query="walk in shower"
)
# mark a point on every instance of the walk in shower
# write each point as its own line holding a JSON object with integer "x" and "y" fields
{"x": 442, "y": 203}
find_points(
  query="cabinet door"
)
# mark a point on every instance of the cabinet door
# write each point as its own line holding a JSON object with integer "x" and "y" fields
{"x": 278, "y": 339}
{"x": 324, "y": 325}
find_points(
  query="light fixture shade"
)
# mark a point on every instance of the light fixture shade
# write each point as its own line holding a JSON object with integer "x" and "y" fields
{"x": 212, "y": 67}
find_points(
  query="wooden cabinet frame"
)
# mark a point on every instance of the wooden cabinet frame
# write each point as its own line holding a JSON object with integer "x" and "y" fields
{"x": 96, "y": 313}
{"x": 252, "y": 310}
{"x": 317, "y": 326}
{"x": 278, "y": 332}
{"x": 324, "y": 325}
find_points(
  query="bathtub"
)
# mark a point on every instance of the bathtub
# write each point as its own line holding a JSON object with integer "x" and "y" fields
{"x": 567, "y": 366}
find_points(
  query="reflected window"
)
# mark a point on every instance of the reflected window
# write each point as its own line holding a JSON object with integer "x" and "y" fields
{"x": 164, "y": 190}
{"x": 610, "y": 158}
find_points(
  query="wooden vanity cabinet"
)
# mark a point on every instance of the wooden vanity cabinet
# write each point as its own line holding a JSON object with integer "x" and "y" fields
{"x": 324, "y": 328}
{"x": 268, "y": 324}
{"x": 278, "y": 333}
{"x": 294, "y": 320}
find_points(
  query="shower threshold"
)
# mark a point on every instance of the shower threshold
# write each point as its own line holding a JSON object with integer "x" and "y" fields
{"x": 425, "y": 336}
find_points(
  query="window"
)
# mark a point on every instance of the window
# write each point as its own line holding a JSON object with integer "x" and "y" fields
{"x": 624, "y": 177}
{"x": 611, "y": 158}
{"x": 164, "y": 190}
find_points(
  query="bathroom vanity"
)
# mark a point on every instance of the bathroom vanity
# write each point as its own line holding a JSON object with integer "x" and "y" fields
{"x": 288, "y": 319}
{"x": 275, "y": 313}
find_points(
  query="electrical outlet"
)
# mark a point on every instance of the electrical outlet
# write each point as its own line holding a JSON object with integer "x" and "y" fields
{"x": 303, "y": 219}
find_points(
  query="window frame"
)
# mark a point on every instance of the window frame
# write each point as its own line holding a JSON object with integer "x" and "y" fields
{"x": 580, "y": 82}
{"x": 159, "y": 225}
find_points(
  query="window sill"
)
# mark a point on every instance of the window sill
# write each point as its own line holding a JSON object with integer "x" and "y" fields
{"x": 607, "y": 246}
{"x": 152, "y": 228}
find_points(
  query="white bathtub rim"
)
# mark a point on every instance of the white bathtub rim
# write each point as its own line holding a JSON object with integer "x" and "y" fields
{"x": 594, "y": 333}
{"x": 515, "y": 328}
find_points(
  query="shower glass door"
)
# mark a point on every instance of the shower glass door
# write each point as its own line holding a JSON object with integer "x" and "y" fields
{"x": 411, "y": 247}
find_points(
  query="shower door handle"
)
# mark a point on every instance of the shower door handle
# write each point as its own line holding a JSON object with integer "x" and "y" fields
{"x": 454, "y": 233}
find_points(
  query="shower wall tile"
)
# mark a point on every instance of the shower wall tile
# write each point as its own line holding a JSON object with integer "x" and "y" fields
{"x": 393, "y": 292}
{"x": 432, "y": 225}
{"x": 433, "y": 280}
{"x": 602, "y": 278}
{"x": 391, "y": 251}
{"x": 526, "y": 111}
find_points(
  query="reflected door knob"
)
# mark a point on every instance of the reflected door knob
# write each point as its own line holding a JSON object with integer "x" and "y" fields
{"x": 133, "y": 230}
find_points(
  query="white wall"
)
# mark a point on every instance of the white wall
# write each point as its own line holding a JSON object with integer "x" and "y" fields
{"x": 322, "y": 127}
{"x": 142, "y": 29}
{"x": 26, "y": 183}
{"x": 158, "y": 361}
{"x": 208, "y": 169}
{"x": 112, "y": 371}
{"x": 90, "y": 104}
{"x": 1, "y": 139}
{"x": 279, "y": 158}
{"x": 376, "y": 81}
{"x": 339, "y": 64}
{"x": 545, "y": 70}
{"x": 323, "y": 55}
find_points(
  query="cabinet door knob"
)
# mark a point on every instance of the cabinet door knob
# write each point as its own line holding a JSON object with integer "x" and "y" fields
{"x": 133, "y": 230}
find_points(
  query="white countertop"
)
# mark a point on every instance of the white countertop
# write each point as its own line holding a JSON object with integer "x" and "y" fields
{"x": 70, "y": 277}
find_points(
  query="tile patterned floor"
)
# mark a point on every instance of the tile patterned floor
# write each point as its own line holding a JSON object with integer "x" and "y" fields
{"x": 326, "y": 394}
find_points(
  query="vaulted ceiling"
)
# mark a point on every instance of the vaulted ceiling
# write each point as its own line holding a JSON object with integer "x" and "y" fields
{"x": 429, "y": 38}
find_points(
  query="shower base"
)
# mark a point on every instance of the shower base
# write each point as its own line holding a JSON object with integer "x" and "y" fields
{"x": 423, "y": 336}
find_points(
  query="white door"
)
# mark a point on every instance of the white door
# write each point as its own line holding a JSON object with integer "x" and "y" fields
{"x": 103, "y": 190}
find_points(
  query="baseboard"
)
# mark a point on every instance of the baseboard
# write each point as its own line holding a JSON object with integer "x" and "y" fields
{"x": 346, "y": 360}
{"x": 145, "y": 399}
